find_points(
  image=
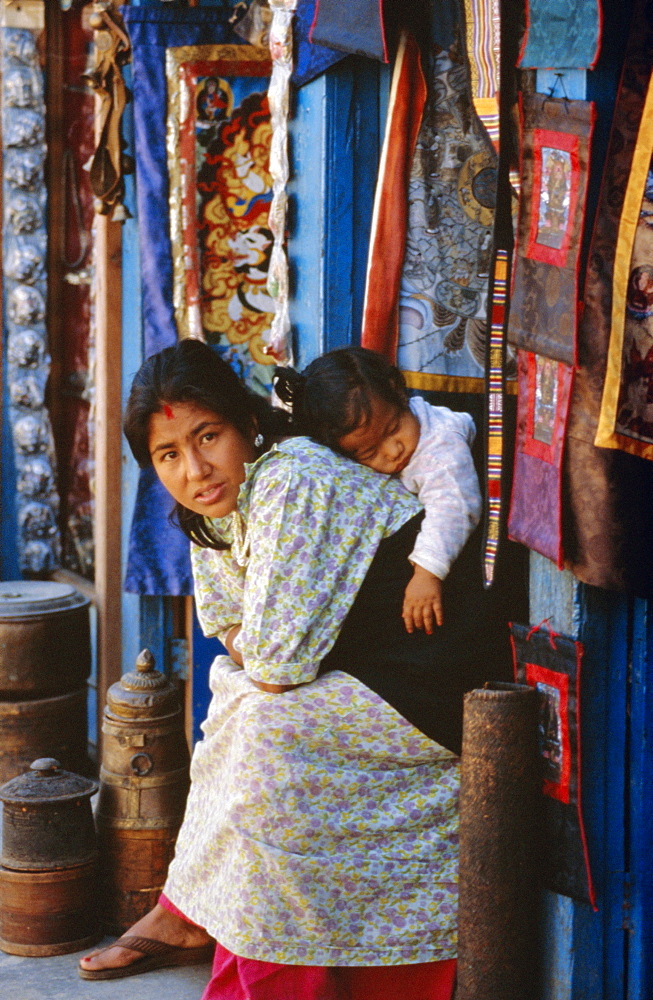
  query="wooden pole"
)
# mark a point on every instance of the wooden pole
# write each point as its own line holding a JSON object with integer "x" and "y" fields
{"x": 108, "y": 431}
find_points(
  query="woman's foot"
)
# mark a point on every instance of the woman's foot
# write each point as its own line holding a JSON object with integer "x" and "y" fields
{"x": 160, "y": 925}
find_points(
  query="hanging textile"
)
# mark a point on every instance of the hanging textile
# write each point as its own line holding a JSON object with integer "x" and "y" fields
{"x": 311, "y": 59}
{"x": 535, "y": 517}
{"x": 609, "y": 536}
{"x": 555, "y": 159}
{"x": 221, "y": 190}
{"x": 355, "y": 27}
{"x": 494, "y": 412}
{"x": 483, "y": 27}
{"x": 390, "y": 217}
{"x": 626, "y": 419}
{"x": 561, "y": 33}
{"x": 158, "y": 560}
{"x": 552, "y": 663}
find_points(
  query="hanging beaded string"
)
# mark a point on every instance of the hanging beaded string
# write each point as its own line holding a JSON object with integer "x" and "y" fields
{"x": 278, "y": 97}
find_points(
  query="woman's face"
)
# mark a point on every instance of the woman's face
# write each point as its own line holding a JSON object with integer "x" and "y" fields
{"x": 199, "y": 457}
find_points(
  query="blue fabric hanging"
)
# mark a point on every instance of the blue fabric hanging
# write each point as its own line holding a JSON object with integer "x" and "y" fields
{"x": 158, "y": 560}
{"x": 311, "y": 59}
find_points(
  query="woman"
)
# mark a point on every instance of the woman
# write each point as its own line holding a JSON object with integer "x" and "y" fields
{"x": 320, "y": 837}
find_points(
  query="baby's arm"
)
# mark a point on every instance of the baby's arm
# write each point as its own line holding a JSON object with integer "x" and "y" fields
{"x": 422, "y": 601}
{"x": 442, "y": 474}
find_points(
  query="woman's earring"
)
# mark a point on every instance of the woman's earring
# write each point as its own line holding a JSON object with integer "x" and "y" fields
{"x": 258, "y": 440}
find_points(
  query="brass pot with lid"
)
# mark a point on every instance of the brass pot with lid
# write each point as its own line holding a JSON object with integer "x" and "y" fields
{"x": 144, "y": 781}
{"x": 47, "y": 819}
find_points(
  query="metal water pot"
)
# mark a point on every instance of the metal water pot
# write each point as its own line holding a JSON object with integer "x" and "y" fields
{"x": 47, "y": 819}
{"x": 48, "y": 866}
{"x": 144, "y": 781}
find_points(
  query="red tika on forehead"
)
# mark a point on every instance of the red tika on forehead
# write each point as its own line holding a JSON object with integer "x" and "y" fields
{"x": 168, "y": 412}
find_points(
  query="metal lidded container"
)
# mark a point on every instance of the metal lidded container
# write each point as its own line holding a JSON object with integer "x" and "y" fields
{"x": 48, "y": 870}
{"x": 45, "y": 645}
{"x": 47, "y": 819}
{"x": 144, "y": 781}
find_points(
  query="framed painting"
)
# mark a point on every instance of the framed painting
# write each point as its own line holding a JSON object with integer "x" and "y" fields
{"x": 218, "y": 145}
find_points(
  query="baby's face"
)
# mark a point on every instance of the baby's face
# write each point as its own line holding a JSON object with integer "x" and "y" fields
{"x": 386, "y": 442}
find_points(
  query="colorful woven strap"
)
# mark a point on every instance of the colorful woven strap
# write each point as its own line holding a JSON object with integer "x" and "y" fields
{"x": 494, "y": 373}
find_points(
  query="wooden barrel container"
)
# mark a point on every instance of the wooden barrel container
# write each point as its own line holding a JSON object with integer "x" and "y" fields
{"x": 144, "y": 781}
{"x": 45, "y": 645}
{"x": 49, "y": 913}
{"x": 45, "y": 727}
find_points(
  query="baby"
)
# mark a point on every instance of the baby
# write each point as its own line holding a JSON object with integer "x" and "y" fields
{"x": 355, "y": 401}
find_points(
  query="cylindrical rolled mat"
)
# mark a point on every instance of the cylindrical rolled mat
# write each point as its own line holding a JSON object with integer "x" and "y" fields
{"x": 500, "y": 793}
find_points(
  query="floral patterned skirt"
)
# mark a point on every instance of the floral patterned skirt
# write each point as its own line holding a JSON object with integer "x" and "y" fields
{"x": 321, "y": 828}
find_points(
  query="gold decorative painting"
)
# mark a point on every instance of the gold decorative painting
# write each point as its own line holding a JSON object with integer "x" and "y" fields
{"x": 219, "y": 138}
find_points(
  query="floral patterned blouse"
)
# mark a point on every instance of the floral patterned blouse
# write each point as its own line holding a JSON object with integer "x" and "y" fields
{"x": 314, "y": 521}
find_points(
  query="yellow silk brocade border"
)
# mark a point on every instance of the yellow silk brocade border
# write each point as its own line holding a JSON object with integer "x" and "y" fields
{"x": 606, "y": 436}
{"x": 189, "y": 325}
{"x": 450, "y": 383}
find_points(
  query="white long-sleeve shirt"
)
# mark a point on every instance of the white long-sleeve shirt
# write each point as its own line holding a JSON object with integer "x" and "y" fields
{"x": 442, "y": 474}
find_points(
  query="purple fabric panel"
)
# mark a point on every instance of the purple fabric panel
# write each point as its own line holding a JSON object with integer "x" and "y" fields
{"x": 535, "y": 506}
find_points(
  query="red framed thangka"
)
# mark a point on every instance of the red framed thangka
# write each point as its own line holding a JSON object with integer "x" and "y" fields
{"x": 218, "y": 139}
{"x": 544, "y": 393}
{"x": 551, "y": 663}
{"x": 556, "y": 138}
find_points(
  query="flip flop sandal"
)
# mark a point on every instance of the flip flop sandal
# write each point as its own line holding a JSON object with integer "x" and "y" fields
{"x": 156, "y": 955}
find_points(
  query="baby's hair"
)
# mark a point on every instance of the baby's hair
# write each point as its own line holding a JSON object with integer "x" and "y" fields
{"x": 333, "y": 395}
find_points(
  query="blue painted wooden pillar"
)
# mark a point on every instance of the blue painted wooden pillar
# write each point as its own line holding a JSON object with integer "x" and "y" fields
{"x": 335, "y": 138}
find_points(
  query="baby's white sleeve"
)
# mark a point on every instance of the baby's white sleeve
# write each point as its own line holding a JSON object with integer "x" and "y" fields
{"x": 444, "y": 476}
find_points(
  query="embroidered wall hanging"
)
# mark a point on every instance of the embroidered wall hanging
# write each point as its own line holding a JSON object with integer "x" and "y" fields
{"x": 443, "y": 297}
{"x": 483, "y": 29}
{"x": 561, "y": 33}
{"x": 535, "y": 517}
{"x": 555, "y": 158}
{"x": 609, "y": 533}
{"x": 220, "y": 194}
{"x": 552, "y": 664}
{"x": 626, "y": 419}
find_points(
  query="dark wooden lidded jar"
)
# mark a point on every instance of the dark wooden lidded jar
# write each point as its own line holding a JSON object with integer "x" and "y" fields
{"x": 45, "y": 645}
{"x": 45, "y": 660}
{"x": 144, "y": 781}
{"x": 48, "y": 866}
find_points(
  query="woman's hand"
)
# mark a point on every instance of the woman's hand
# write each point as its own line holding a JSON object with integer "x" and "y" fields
{"x": 237, "y": 657}
{"x": 423, "y": 601}
{"x": 234, "y": 653}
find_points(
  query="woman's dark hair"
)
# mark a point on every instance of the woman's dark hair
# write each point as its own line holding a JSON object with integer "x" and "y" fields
{"x": 333, "y": 395}
{"x": 191, "y": 372}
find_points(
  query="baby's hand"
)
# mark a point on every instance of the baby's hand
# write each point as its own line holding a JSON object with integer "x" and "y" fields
{"x": 423, "y": 601}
